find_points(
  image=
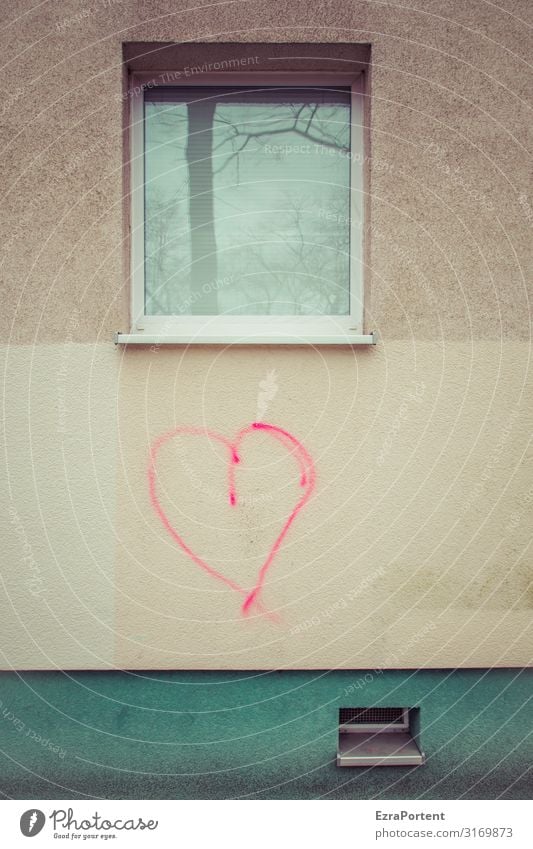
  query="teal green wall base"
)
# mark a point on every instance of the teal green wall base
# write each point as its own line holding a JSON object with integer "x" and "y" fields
{"x": 263, "y": 735}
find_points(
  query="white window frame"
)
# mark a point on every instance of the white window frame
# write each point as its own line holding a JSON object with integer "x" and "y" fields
{"x": 217, "y": 329}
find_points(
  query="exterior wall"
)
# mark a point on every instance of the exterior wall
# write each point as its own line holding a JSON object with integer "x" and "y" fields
{"x": 209, "y": 735}
{"x": 413, "y": 549}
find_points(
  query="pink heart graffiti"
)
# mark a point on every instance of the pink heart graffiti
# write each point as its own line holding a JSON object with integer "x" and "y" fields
{"x": 306, "y": 481}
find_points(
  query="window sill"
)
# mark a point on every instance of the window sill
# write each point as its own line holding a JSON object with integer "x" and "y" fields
{"x": 284, "y": 339}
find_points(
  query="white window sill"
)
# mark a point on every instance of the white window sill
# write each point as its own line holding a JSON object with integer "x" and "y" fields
{"x": 284, "y": 339}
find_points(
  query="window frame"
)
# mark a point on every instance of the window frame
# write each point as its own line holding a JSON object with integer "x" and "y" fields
{"x": 243, "y": 329}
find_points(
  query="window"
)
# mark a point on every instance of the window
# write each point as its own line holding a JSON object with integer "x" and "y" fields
{"x": 247, "y": 208}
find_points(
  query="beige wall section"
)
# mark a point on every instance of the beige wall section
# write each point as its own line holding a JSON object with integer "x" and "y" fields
{"x": 58, "y": 506}
{"x": 414, "y": 549}
{"x": 416, "y": 536}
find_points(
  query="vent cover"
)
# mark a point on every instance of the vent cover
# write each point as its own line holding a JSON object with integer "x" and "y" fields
{"x": 379, "y": 736}
{"x": 385, "y": 715}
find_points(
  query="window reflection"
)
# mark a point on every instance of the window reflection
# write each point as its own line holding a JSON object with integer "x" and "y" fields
{"x": 247, "y": 202}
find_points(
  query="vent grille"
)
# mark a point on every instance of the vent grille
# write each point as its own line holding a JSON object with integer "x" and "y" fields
{"x": 385, "y": 715}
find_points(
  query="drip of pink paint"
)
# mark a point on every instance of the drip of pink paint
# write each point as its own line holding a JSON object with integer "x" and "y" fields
{"x": 307, "y": 482}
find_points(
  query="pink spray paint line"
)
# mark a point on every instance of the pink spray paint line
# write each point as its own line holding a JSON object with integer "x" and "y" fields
{"x": 306, "y": 481}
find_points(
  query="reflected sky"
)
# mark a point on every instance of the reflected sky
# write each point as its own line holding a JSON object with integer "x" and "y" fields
{"x": 271, "y": 208}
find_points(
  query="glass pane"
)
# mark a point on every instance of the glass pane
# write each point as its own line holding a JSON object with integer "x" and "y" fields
{"x": 247, "y": 201}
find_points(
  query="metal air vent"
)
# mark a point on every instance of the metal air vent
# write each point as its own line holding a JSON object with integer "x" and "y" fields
{"x": 371, "y": 715}
{"x": 379, "y": 736}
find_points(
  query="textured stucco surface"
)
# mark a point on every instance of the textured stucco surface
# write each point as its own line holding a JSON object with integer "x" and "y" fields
{"x": 58, "y": 507}
{"x": 408, "y": 554}
{"x": 259, "y": 735}
{"x": 414, "y": 550}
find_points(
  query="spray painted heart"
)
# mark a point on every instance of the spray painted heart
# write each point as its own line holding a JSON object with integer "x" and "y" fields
{"x": 307, "y": 482}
